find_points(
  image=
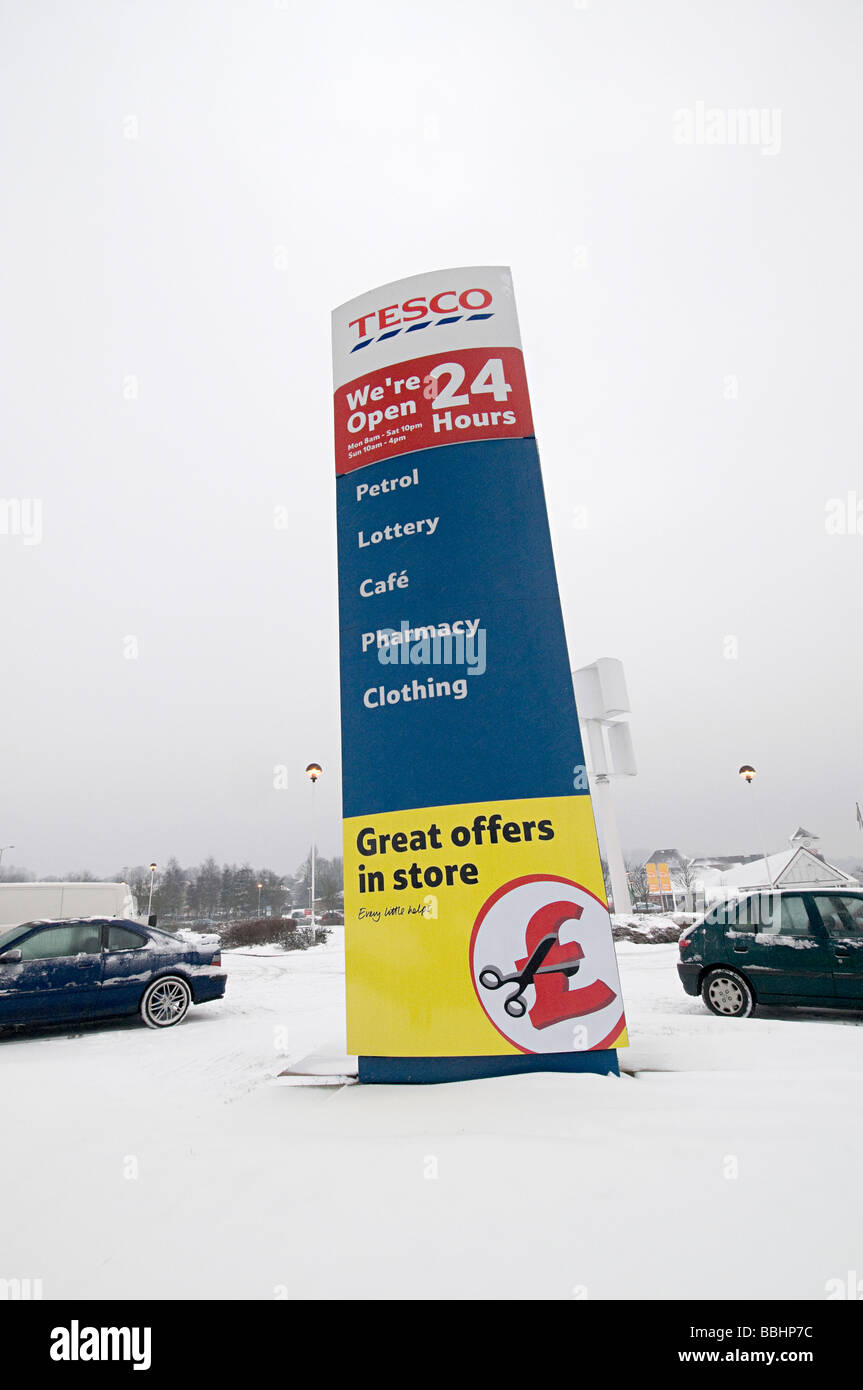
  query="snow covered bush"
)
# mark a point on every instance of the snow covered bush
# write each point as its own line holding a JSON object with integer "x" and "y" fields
{"x": 269, "y": 931}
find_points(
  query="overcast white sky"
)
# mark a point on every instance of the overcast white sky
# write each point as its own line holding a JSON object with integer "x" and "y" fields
{"x": 191, "y": 185}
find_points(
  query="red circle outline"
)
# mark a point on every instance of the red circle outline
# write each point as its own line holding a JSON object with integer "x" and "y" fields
{"x": 483, "y": 912}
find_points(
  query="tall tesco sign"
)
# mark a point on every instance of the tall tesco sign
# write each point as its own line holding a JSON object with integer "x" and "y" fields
{"x": 477, "y": 935}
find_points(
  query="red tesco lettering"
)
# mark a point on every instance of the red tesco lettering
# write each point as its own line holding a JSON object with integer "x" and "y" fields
{"x": 473, "y": 300}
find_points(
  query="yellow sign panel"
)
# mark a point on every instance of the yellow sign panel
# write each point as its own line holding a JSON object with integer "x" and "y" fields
{"x": 479, "y": 930}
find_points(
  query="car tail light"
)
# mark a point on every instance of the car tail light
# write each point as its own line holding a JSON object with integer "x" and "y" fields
{"x": 217, "y": 958}
{"x": 684, "y": 944}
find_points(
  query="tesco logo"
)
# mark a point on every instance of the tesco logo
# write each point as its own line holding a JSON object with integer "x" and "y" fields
{"x": 393, "y": 314}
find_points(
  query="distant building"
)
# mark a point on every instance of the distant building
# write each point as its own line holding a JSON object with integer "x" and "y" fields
{"x": 715, "y": 877}
{"x": 796, "y": 867}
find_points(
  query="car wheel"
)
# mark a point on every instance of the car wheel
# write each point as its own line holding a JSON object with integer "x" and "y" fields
{"x": 726, "y": 993}
{"x": 165, "y": 1002}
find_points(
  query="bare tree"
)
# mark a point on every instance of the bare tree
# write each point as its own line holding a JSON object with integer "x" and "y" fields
{"x": 638, "y": 885}
{"x": 686, "y": 872}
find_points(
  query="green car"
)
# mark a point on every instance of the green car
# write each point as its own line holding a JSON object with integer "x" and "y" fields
{"x": 779, "y": 947}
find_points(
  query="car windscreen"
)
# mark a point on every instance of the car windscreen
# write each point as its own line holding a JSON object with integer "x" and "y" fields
{"x": 9, "y": 934}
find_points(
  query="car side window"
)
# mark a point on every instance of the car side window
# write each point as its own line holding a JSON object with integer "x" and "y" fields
{"x": 854, "y": 908}
{"x": 737, "y": 916}
{"x": 123, "y": 939}
{"x": 841, "y": 913}
{"x": 73, "y": 939}
{"x": 793, "y": 918}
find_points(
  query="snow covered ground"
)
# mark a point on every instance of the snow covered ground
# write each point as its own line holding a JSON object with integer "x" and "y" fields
{"x": 137, "y": 1164}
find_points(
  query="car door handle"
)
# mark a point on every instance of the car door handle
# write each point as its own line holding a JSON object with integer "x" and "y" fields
{"x": 741, "y": 950}
{"x": 83, "y": 964}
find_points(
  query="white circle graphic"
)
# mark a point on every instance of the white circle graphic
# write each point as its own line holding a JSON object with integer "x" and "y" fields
{"x": 543, "y": 966}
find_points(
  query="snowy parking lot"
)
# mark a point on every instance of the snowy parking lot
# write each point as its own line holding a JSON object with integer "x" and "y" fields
{"x": 724, "y": 1163}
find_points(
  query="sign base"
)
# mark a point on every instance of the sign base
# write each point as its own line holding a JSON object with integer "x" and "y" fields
{"x": 417, "y": 1071}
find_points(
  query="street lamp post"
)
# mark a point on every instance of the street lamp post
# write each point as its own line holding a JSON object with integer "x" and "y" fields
{"x": 260, "y": 886}
{"x": 2, "y": 848}
{"x": 313, "y": 772}
{"x": 153, "y": 868}
{"x": 748, "y": 774}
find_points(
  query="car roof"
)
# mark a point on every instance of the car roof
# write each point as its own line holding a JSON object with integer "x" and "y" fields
{"x": 784, "y": 889}
{"x": 78, "y": 922}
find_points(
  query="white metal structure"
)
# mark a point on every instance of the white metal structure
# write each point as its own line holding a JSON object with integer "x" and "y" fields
{"x": 602, "y": 700}
{"x": 30, "y": 902}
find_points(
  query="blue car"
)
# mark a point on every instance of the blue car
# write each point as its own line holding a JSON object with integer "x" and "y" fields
{"x": 84, "y": 969}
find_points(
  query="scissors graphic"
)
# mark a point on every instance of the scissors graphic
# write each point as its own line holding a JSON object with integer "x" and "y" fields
{"x": 515, "y": 1005}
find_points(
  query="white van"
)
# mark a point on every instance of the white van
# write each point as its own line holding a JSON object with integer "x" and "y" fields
{"x": 31, "y": 902}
